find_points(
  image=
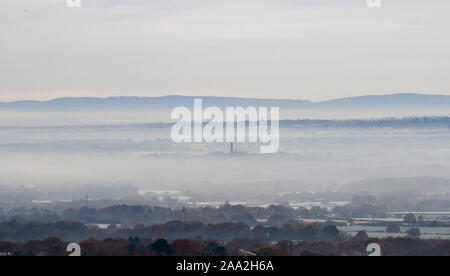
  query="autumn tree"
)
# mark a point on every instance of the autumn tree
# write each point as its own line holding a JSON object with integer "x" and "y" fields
{"x": 393, "y": 228}
{"x": 410, "y": 219}
{"x": 414, "y": 232}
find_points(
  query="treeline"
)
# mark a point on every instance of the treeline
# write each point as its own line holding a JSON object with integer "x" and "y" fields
{"x": 75, "y": 231}
{"x": 274, "y": 215}
{"x": 135, "y": 246}
{"x": 409, "y": 122}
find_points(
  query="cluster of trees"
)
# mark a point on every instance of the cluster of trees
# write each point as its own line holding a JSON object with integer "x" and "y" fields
{"x": 132, "y": 215}
{"x": 135, "y": 246}
{"x": 274, "y": 215}
{"x": 75, "y": 231}
{"x": 362, "y": 210}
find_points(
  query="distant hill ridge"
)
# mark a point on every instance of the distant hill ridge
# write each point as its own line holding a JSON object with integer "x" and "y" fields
{"x": 370, "y": 101}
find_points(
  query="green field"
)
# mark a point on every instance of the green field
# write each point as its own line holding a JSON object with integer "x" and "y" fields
{"x": 380, "y": 231}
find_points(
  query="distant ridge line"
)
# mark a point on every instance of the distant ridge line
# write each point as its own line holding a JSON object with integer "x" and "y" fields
{"x": 368, "y": 101}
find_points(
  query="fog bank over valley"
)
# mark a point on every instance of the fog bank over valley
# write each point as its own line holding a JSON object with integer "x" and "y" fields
{"x": 314, "y": 156}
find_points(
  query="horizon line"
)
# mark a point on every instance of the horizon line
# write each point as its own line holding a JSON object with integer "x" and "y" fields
{"x": 224, "y": 97}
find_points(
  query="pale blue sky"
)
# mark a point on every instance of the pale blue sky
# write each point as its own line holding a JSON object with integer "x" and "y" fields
{"x": 303, "y": 49}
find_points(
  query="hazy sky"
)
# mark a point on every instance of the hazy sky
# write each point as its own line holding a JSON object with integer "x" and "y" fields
{"x": 303, "y": 49}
